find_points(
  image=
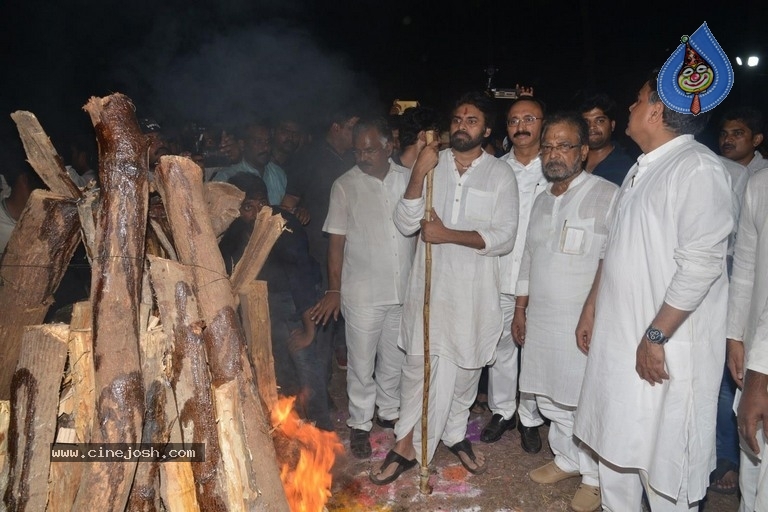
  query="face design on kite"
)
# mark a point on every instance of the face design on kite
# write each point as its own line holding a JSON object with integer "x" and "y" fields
{"x": 695, "y": 79}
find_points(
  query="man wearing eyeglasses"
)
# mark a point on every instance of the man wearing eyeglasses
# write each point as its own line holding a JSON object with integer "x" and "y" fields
{"x": 565, "y": 243}
{"x": 654, "y": 322}
{"x": 524, "y": 121}
{"x": 605, "y": 158}
{"x": 369, "y": 261}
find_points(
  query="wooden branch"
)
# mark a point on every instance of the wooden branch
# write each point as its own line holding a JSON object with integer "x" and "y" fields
{"x": 65, "y": 477}
{"x": 191, "y": 383}
{"x": 254, "y": 477}
{"x": 35, "y": 259}
{"x": 254, "y": 310}
{"x": 34, "y": 402}
{"x": 266, "y": 231}
{"x": 5, "y": 418}
{"x": 115, "y": 295}
{"x": 223, "y": 201}
{"x": 87, "y": 209}
{"x": 42, "y": 156}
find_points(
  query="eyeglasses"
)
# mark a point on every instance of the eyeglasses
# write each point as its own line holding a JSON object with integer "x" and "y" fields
{"x": 524, "y": 120}
{"x": 560, "y": 148}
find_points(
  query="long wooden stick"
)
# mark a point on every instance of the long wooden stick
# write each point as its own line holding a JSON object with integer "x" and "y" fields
{"x": 424, "y": 486}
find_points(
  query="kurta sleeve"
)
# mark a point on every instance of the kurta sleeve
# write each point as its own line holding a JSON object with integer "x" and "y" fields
{"x": 743, "y": 276}
{"x": 408, "y": 215}
{"x": 702, "y": 214}
{"x": 757, "y": 356}
{"x": 521, "y": 289}
{"x": 336, "y": 220}
{"x": 499, "y": 238}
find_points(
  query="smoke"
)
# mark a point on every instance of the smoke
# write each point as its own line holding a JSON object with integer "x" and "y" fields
{"x": 261, "y": 72}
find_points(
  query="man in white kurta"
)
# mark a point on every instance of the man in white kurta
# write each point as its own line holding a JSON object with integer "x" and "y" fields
{"x": 566, "y": 241}
{"x": 524, "y": 121}
{"x": 372, "y": 259}
{"x": 748, "y": 296}
{"x": 474, "y": 222}
{"x": 647, "y": 407}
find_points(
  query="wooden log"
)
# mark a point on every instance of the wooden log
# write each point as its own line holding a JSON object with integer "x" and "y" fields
{"x": 34, "y": 402}
{"x": 254, "y": 478}
{"x": 159, "y": 405}
{"x": 254, "y": 310}
{"x": 115, "y": 295}
{"x": 87, "y": 208}
{"x": 173, "y": 284}
{"x": 223, "y": 201}
{"x": 42, "y": 156}
{"x": 178, "y": 487}
{"x": 37, "y": 254}
{"x": 266, "y": 231}
{"x": 5, "y": 418}
{"x": 64, "y": 479}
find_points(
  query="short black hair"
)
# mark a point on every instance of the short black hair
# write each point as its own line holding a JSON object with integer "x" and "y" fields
{"x": 253, "y": 186}
{"x": 601, "y": 101}
{"x": 676, "y": 122}
{"x": 482, "y": 102}
{"x": 572, "y": 118}
{"x": 414, "y": 120}
{"x": 750, "y": 116}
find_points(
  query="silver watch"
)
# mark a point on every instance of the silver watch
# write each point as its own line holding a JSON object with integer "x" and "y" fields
{"x": 655, "y": 336}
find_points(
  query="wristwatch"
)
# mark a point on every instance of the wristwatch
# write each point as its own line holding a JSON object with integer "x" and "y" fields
{"x": 655, "y": 336}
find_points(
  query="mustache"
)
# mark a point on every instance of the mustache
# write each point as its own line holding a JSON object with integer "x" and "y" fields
{"x": 521, "y": 133}
{"x": 728, "y": 146}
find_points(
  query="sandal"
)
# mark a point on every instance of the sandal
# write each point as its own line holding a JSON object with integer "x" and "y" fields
{"x": 465, "y": 447}
{"x": 716, "y": 484}
{"x": 392, "y": 457}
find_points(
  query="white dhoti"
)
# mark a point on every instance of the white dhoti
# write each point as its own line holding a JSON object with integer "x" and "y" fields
{"x": 372, "y": 333}
{"x": 570, "y": 453}
{"x": 503, "y": 374}
{"x": 622, "y": 491}
{"x": 451, "y": 392}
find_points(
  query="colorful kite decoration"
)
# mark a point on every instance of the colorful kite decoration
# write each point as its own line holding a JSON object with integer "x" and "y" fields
{"x": 697, "y": 76}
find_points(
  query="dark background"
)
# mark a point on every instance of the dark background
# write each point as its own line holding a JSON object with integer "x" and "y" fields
{"x": 221, "y": 61}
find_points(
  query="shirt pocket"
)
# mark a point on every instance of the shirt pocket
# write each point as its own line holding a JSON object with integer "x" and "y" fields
{"x": 576, "y": 237}
{"x": 479, "y": 205}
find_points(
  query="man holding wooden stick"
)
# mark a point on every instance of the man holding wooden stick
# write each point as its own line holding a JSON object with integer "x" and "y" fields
{"x": 473, "y": 222}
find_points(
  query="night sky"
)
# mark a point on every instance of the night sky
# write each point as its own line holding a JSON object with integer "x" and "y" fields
{"x": 221, "y": 61}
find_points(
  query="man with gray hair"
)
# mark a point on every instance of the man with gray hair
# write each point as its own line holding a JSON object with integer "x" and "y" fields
{"x": 654, "y": 321}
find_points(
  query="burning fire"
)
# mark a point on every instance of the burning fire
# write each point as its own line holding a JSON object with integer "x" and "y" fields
{"x": 307, "y": 485}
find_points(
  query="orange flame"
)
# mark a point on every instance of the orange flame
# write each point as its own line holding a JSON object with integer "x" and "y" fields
{"x": 308, "y": 485}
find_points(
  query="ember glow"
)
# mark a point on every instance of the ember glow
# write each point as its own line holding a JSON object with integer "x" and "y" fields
{"x": 308, "y": 485}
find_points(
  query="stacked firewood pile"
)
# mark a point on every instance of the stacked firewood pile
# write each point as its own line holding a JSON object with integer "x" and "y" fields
{"x": 158, "y": 355}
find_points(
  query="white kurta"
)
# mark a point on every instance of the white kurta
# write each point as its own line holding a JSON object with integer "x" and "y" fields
{"x": 565, "y": 242}
{"x": 749, "y": 281}
{"x": 465, "y": 317}
{"x": 667, "y": 244}
{"x": 377, "y": 257}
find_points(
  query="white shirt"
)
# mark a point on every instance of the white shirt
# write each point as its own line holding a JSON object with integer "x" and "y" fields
{"x": 530, "y": 183}
{"x": 465, "y": 315}
{"x": 377, "y": 257}
{"x": 748, "y": 293}
{"x": 565, "y": 242}
{"x": 667, "y": 244}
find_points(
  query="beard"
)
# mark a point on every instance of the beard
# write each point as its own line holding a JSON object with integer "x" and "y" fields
{"x": 555, "y": 170}
{"x": 462, "y": 141}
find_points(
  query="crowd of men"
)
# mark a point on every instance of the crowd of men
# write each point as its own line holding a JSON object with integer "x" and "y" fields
{"x": 604, "y": 279}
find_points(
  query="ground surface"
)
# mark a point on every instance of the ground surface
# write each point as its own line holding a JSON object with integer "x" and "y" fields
{"x": 505, "y": 487}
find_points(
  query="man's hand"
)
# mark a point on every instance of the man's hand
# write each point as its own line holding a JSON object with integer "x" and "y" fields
{"x": 584, "y": 327}
{"x": 650, "y": 362}
{"x": 753, "y": 408}
{"x": 433, "y": 231}
{"x": 427, "y": 159}
{"x": 329, "y": 306}
{"x": 735, "y": 360}
{"x": 302, "y": 214}
{"x": 518, "y": 326}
